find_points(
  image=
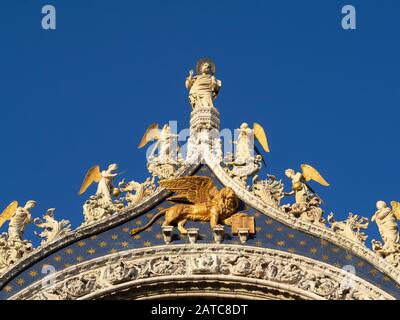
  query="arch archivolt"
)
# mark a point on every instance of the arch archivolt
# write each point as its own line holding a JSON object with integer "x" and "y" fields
{"x": 202, "y": 270}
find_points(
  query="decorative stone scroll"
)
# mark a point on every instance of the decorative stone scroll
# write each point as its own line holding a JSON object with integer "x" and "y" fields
{"x": 270, "y": 190}
{"x": 350, "y": 227}
{"x": 52, "y": 229}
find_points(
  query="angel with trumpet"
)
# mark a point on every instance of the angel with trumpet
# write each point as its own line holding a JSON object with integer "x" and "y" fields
{"x": 300, "y": 187}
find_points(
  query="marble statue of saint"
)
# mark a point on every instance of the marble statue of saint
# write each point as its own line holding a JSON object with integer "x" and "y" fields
{"x": 385, "y": 218}
{"x": 203, "y": 87}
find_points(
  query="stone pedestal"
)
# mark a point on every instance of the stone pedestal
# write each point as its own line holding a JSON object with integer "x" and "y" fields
{"x": 204, "y": 118}
{"x": 218, "y": 233}
{"x": 167, "y": 234}
{"x": 204, "y": 129}
{"x": 243, "y": 234}
{"x": 193, "y": 233}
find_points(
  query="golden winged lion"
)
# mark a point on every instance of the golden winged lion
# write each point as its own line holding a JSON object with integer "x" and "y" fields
{"x": 197, "y": 199}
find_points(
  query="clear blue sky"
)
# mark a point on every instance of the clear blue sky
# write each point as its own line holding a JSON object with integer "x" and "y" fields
{"x": 84, "y": 93}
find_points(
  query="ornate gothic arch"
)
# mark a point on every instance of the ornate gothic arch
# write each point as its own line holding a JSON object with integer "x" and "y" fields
{"x": 207, "y": 270}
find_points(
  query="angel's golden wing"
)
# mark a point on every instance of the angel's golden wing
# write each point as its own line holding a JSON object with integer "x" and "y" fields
{"x": 260, "y": 135}
{"x": 309, "y": 173}
{"x": 194, "y": 189}
{"x": 152, "y": 133}
{"x": 93, "y": 175}
{"x": 9, "y": 212}
{"x": 396, "y": 209}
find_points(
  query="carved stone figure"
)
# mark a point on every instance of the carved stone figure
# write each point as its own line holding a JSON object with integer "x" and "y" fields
{"x": 216, "y": 149}
{"x": 52, "y": 229}
{"x": 243, "y": 266}
{"x": 101, "y": 204}
{"x": 136, "y": 192}
{"x": 165, "y": 163}
{"x": 232, "y": 263}
{"x": 206, "y": 203}
{"x": 245, "y": 142}
{"x": 319, "y": 284}
{"x": 203, "y": 87}
{"x": 96, "y": 208}
{"x": 308, "y": 210}
{"x": 104, "y": 179}
{"x": 19, "y": 218}
{"x": 206, "y": 263}
{"x": 350, "y": 228}
{"x": 116, "y": 273}
{"x": 245, "y": 163}
{"x": 78, "y": 286}
{"x": 12, "y": 245}
{"x": 385, "y": 217}
{"x": 167, "y": 265}
{"x": 166, "y": 143}
{"x": 300, "y": 188}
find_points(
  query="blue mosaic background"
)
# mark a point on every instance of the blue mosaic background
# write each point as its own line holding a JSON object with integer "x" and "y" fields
{"x": 269, "y": 234}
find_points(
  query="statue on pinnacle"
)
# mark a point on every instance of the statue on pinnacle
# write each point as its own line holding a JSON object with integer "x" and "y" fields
{"x": 203, "y": 87}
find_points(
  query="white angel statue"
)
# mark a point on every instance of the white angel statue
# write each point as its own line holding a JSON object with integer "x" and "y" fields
{"x": 300, "y": 187}
{"x": 104, "y": 178}
{"x": 19, "y": 218}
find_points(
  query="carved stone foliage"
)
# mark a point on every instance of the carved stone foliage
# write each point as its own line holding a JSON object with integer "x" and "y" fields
{"x": 52, "y": 229}
{"x": 350, "y": 227}
{"x": 97, "y": 208}
{"x": 12, "y": 250}
{"x": 240, "y": 172}
{"x": 162, "y": 170}
{"x": 270, "y": 190}
{"x": 305, "y": 277}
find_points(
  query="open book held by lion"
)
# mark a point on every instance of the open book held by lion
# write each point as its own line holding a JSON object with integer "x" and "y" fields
{"x": 197, "y": 199}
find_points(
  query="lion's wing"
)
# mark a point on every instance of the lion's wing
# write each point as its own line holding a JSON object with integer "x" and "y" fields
{"x": 193, "y": 188}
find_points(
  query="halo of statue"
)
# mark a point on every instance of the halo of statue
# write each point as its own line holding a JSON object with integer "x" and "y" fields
{"x": 201, "y": 61}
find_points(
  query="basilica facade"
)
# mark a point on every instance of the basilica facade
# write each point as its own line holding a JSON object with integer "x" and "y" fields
{"x": 204, "y": 224}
